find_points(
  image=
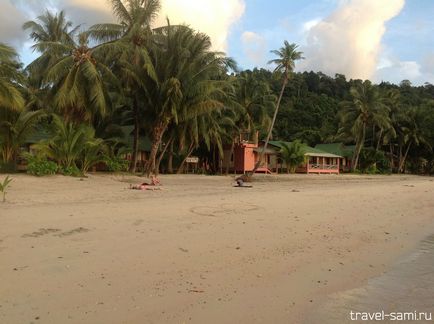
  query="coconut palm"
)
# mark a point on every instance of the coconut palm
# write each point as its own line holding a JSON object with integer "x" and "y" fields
{"x": 11, "y": 79}
{"x": 186, "y": 81}
{"x": 292, "y": 154}
{"x": 44, "y": 30}
{"x": 366, "y": 107}
{"x": 285, "y": 63}
{"x": 80, "y": 79}
{"x": 132, "y": 63}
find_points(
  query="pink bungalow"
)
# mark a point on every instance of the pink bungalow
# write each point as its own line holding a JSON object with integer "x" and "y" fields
{"x": 244, "y": 155}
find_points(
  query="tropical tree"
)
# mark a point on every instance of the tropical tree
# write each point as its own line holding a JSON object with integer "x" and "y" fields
{"x": 292, "y": 154}
{"x": 186, "y": 81}
{"x": 366, "y": 107}
{"x": 71, "y": 144}
{"x": 285, "y": 63}
{"x": 80, "y": 80}
{"x": 48, "y": 28}
{"x": 132, "y": 62}
{"x": 15, "y": 129}
{"x": 11, "y": 79}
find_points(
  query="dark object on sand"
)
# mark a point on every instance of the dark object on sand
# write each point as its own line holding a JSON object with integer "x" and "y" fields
{"x": 240, "y": 183}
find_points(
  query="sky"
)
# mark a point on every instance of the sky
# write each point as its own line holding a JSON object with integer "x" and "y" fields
{"x": 380, "y": 40}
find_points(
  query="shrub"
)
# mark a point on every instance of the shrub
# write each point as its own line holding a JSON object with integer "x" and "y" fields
{"x": 72, "y": 171}
{"x": 40, "y": 166}
{"x": 116, "y": 164}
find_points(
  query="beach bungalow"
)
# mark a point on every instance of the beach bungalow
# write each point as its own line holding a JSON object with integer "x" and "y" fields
{"x": 316, "y": 160}
{"x": 345, "y": 151}
{"x": 245, "y": 154}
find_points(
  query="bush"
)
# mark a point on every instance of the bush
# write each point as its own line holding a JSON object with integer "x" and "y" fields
{"x": 40, "y": 166}
{"x": 72, "y": 171}
{"x": 116, "y": 164}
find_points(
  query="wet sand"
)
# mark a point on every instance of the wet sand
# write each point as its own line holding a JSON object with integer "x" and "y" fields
{"x": 200, "y": 250}
{"x": 404, "y": 293}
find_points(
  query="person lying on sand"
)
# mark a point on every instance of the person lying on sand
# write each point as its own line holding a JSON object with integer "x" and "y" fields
{"x": 144, "y": 186}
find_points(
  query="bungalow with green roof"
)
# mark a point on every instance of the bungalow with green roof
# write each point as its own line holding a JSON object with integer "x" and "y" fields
{"x": 245, "y": 154}
{"x": 345, "y": 151}
{"x": 316, "y": 160}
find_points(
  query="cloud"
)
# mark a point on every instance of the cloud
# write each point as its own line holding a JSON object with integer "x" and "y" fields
{"x": 10, "y": 24}
{"x": 213, "y": 17}
{"x": 348, "y": 41}
{"x": 254, "y": 47}
{"x": 308, "y": 25}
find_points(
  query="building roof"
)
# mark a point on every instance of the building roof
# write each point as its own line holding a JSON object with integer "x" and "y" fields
{"x": 336, "y": 148}
{"x": 307, "y": 150}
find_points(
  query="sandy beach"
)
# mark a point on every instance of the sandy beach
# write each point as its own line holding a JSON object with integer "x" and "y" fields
{"x": 199, "y": 250}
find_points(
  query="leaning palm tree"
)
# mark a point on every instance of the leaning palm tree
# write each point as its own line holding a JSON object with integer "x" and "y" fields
{"x": 285, "y": 63}
{"x": 11, "y": 79}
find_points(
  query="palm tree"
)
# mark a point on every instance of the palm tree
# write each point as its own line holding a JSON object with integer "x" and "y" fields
{"x": 187, "y": 81}
{"x": 132, "y": 63}
{"x": 15, "y": 129}
{"x": 80, "y": 79}
{"x": 292, "y": 154}
{"x": 71, "y": 144}
{"x": 47, "y": 29}
{"x": 366, "y": 107}
{"x": 285, "y": 63}
{"x": 411, "y": 134}
{"x": 11, "y": 80}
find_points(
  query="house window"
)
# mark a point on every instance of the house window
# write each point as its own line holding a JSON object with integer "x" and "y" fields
{"x": 232, "y": 157}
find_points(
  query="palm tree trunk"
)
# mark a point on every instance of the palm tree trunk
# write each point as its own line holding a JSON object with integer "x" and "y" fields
{"x": 231, "y": 152}
{"x": 359, "y": 147}
{"x": 157, "y": 135}
{"x": 402, "y": 162}
{"x": 170, "y": 159}
{"x": 391, "y": 157}
{"x": 157, "y": 167}
{"x": 181, "y": 166}
{"x": 379, "y": 140}
{"x": 270, "y": 130}
{"x": 135, "y": 138}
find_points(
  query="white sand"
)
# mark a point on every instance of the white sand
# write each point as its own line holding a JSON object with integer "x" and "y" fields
{"x": 200, "y": 250}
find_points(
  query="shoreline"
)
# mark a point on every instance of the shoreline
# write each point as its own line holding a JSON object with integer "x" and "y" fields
{"x": 200, "y": 248}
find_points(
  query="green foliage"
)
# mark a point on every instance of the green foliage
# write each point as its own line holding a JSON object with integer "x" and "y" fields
{"x": 15, "y": 129}
{"x": 4, "y": 186}
{"x": 72, "y": 171}
{"x": 11, "y": 98}
{"x": 292, "y": 154}
{"x": 38, "y": 165}
{"x": 116, "y": 164}
{"x": 71, "y": 145}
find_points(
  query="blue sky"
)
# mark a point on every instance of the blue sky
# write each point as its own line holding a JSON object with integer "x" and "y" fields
{"x": 388, "y": 40}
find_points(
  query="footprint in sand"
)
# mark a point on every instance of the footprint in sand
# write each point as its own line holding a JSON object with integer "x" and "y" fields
{"x": 41, "y": 232}
{"x": 73, "y": 231}
{"x": 223, "y": 209}
{"x": 138, "y": 222}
